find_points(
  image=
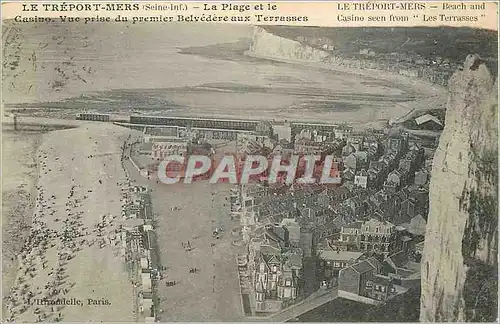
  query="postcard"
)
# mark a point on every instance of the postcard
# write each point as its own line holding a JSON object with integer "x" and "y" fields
{"x": 242, "y": 161}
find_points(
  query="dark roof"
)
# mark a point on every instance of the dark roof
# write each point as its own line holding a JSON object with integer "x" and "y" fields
{"x": 356, "y": 224}
{"x": 293, "y": 231}
{"x": 363, "y": 266}
{"x": 149, "y": 240}
{"x": 270, "y": 259}
{"x": 276, "y": 234}
{"x": 398, "y": 259}
{"x": 280, "y": 232}
{"x": 373, "y": 261}
{"x": 296, "y": 260}
{"x": 161, "y": 131}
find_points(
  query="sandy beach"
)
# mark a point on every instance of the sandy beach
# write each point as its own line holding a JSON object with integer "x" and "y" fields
{"x": 212, "y": 293}
{"x": 73, "y": 227}
{"x": 158, "y": 72}
{"x": 18, "y": 182}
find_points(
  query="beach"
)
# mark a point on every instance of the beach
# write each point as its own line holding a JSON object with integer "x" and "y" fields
{"x": 18, "y": 183}
{"x": 212, "y": 293}
{"x": 69, "y": 267}
{"x": 193, "y": 70}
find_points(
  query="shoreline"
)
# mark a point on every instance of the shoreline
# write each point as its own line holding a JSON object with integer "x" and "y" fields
{"x": 377, "y": 73}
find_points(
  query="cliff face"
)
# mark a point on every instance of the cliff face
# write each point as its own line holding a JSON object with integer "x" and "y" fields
{"x": 459, "y": 264}
{"x": 265, "y": 44}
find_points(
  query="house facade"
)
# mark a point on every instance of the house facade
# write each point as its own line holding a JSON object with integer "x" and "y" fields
{"x": 331, "y": 262}
{"x": 363, "y": 279}
{"x": 370, "y": 236}
{"x": 275, "y": 282}
{"x": 165, "y": 148}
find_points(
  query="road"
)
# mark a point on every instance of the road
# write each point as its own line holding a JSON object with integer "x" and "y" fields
{"x": 315, "y": 300}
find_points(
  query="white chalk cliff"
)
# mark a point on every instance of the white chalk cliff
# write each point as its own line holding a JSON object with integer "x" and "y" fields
{"x": 265, "y": 44}
{"x": 459, "y": 264}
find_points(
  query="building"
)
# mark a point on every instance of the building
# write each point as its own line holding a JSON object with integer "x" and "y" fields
{"x": 93, "y": 117}
{"x": 194, "y": 123}
{"x": 417, "y": 226}
{"x": 275, "y": 280}
{"x": 293, "y": 229}
{"x": 354, "y": 278}
{"x": 421, "y": 178}
{"x": 356, "y": 160}
{"x": 361, "y": 179}
{"x": 331, "y": 262}
{"x": 348, "y": 149}
{"x": 429, "y": 122}
{"x": 369, "y": 236}
{"x": 218, "y": 134}
{"x": 395, "y": 178}
{"x": 350, "y": 236}
{"x": 146, "y": 281}
{"x": 158, "y": 134}
{"x": 307, "y": 146}
{"x": 363, "y": 282}
{"x": 173, "y": 146}
{"x": 379, "y": 237}
{"x": 399, "y": 266}
{"x": 343, "y": 132}
{"x": 321, "y": 132}
{"x": 264, "y": 128}
{"x": 249, "y": 144}
{"x": 356, "y": 141}
{"x": 396, "y": 144}
{"x": 380, "y": 288}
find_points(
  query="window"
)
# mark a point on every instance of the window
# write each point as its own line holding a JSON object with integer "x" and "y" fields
{"x": 377, "y": 287}
{"x": 369, "y": 284}
{"x": 382, "y": 288}
{"x": 376, "y": 229}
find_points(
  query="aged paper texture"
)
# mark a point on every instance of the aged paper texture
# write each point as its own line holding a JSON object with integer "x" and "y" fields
{"x": 249, "y": 161}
